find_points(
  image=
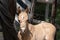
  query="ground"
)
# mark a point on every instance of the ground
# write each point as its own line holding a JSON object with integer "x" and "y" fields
{"x": 1, "y": 36}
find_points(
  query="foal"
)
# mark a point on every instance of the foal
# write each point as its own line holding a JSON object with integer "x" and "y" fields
{"x": 41, "y": 31}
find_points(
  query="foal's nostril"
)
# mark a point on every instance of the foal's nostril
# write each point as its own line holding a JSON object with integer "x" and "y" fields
{"x": 19, "y": 20}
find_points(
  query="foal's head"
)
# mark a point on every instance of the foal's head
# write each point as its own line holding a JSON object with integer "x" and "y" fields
{"x": 23, "y": 17}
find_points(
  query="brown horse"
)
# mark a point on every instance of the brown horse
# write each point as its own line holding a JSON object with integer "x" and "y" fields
{"x": 41, "y": 31}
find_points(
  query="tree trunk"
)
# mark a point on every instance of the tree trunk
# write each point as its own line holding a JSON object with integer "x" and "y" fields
{"x": 47, "y": 12}
{"x": 31, "y": 11}
{"x": 53, "y": 14}
{"x": 32, "y": 8}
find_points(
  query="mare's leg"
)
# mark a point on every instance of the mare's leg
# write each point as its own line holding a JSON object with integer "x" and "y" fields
{"x": 7, "y": 12}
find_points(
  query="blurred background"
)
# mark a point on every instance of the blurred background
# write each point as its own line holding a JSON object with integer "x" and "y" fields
{"x": 46, "y": 10}
{"x": 49, "y": 12}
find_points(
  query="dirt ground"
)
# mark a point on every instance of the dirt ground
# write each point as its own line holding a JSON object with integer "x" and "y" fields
{"x": 1, "y": 36}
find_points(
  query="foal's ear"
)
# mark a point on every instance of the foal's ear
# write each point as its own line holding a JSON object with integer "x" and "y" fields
{"x": 18, "y": 10}
{"x": 26, "y": 10}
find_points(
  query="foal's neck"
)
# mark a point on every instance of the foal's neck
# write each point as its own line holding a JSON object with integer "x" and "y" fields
{"x": 27, "y": 34}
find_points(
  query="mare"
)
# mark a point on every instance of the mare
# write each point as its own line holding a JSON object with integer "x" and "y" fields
{"x": 28, "y": 31}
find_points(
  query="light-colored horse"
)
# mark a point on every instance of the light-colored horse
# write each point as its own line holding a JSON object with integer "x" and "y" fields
{"x": 41, "y": 31}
